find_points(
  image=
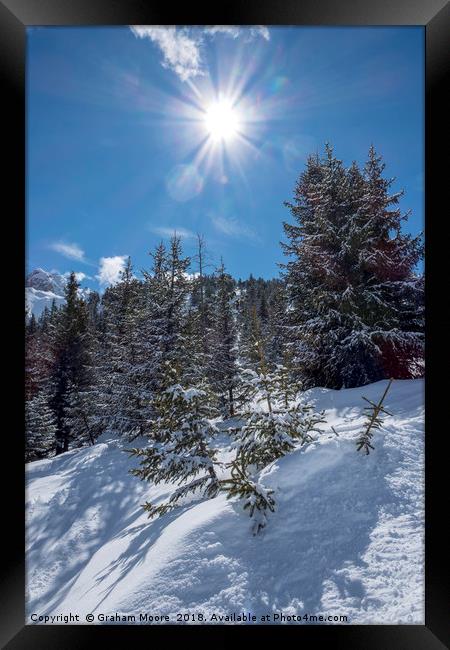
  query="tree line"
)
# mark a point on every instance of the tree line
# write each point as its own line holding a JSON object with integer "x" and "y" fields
{"x": 176, "y": 348}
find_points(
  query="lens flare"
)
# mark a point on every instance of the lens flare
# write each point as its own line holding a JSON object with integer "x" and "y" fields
{"x": 184, "y": 183}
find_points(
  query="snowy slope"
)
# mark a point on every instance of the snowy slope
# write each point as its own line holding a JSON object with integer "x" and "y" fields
{"x": 36, "y": 300}
{"x": 346, "y": 539}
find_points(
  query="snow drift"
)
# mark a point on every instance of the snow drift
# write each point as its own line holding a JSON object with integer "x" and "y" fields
{"x": 346, "y": 538}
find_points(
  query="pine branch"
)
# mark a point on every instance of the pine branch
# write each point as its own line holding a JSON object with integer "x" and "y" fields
{"x": 206, "y": 485}
{"x": 257, "y": 499}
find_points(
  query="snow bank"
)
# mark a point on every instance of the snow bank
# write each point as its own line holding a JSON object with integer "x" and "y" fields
{"x": 346, "y": 538}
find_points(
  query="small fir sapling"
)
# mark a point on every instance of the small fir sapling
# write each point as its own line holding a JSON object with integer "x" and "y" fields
{"x": 273, "y": 428}
{"x": 273, "y": 425}
{"x": 374, "y": 421}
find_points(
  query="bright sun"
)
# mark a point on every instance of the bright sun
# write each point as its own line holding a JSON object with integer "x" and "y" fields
{"x": 221, "y": 121}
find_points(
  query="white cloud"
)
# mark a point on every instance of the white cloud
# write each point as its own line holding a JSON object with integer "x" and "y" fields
{"x": 229, "y": 30}
{"x": 110, "y": 269}
{"x": 169, "y": 232}
{"x": 232, "y": 228}
{"x": 80, "y": 276}
{"x": 260, "y": 30}
{"x": 182, "y": 47}
{"x": 72, "y": 251}
{"x": 181, "y": 51}
{"x": 233, "y": 31}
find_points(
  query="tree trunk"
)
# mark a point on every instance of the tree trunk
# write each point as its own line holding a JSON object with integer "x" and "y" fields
{"x": 231, "y": 400}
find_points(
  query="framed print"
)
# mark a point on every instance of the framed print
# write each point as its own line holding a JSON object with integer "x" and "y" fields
{"x": 233, "y": 343}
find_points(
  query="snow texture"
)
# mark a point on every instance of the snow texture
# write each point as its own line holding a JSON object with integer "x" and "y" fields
{"x": 346, "y": 537}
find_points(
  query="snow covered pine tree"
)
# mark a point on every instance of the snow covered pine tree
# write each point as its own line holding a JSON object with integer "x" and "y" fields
{"x": 223, "y": 367}
{"x": 356, "y": 302}
{"x": 71, "y": 372}
{"x": 40, "y": 427}
{"x": 180, "y": 446}
{"x": 127, "y": 358}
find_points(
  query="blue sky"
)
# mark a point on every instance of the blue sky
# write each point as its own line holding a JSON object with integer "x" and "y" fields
{"x": 120, "y": 150}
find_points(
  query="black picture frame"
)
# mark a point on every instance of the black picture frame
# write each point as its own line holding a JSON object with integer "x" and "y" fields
{"x": 434, "y": 15}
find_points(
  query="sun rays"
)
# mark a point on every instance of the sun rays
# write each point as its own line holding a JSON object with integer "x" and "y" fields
{"x": 221, "y": 121}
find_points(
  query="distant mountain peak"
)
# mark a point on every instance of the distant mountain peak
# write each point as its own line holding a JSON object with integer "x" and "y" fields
{"x": 46, "y": 281}
{"x": 43, "y": 287}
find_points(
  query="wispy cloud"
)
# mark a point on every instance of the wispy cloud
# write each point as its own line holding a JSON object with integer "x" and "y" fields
{"x": 110, "y": 269}
{"x": 180, "y": 50}
{"x": 260, "y": 30}
{"x": 233, "y": 228}
{"x": 71, "y": 251}
{"x": 182, "y": 47}
{"x": 169, "y": 232}
{"x": 233, "y": 31}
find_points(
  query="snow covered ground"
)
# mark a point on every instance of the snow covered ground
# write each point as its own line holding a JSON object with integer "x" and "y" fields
{"x": 346, "y": 538}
